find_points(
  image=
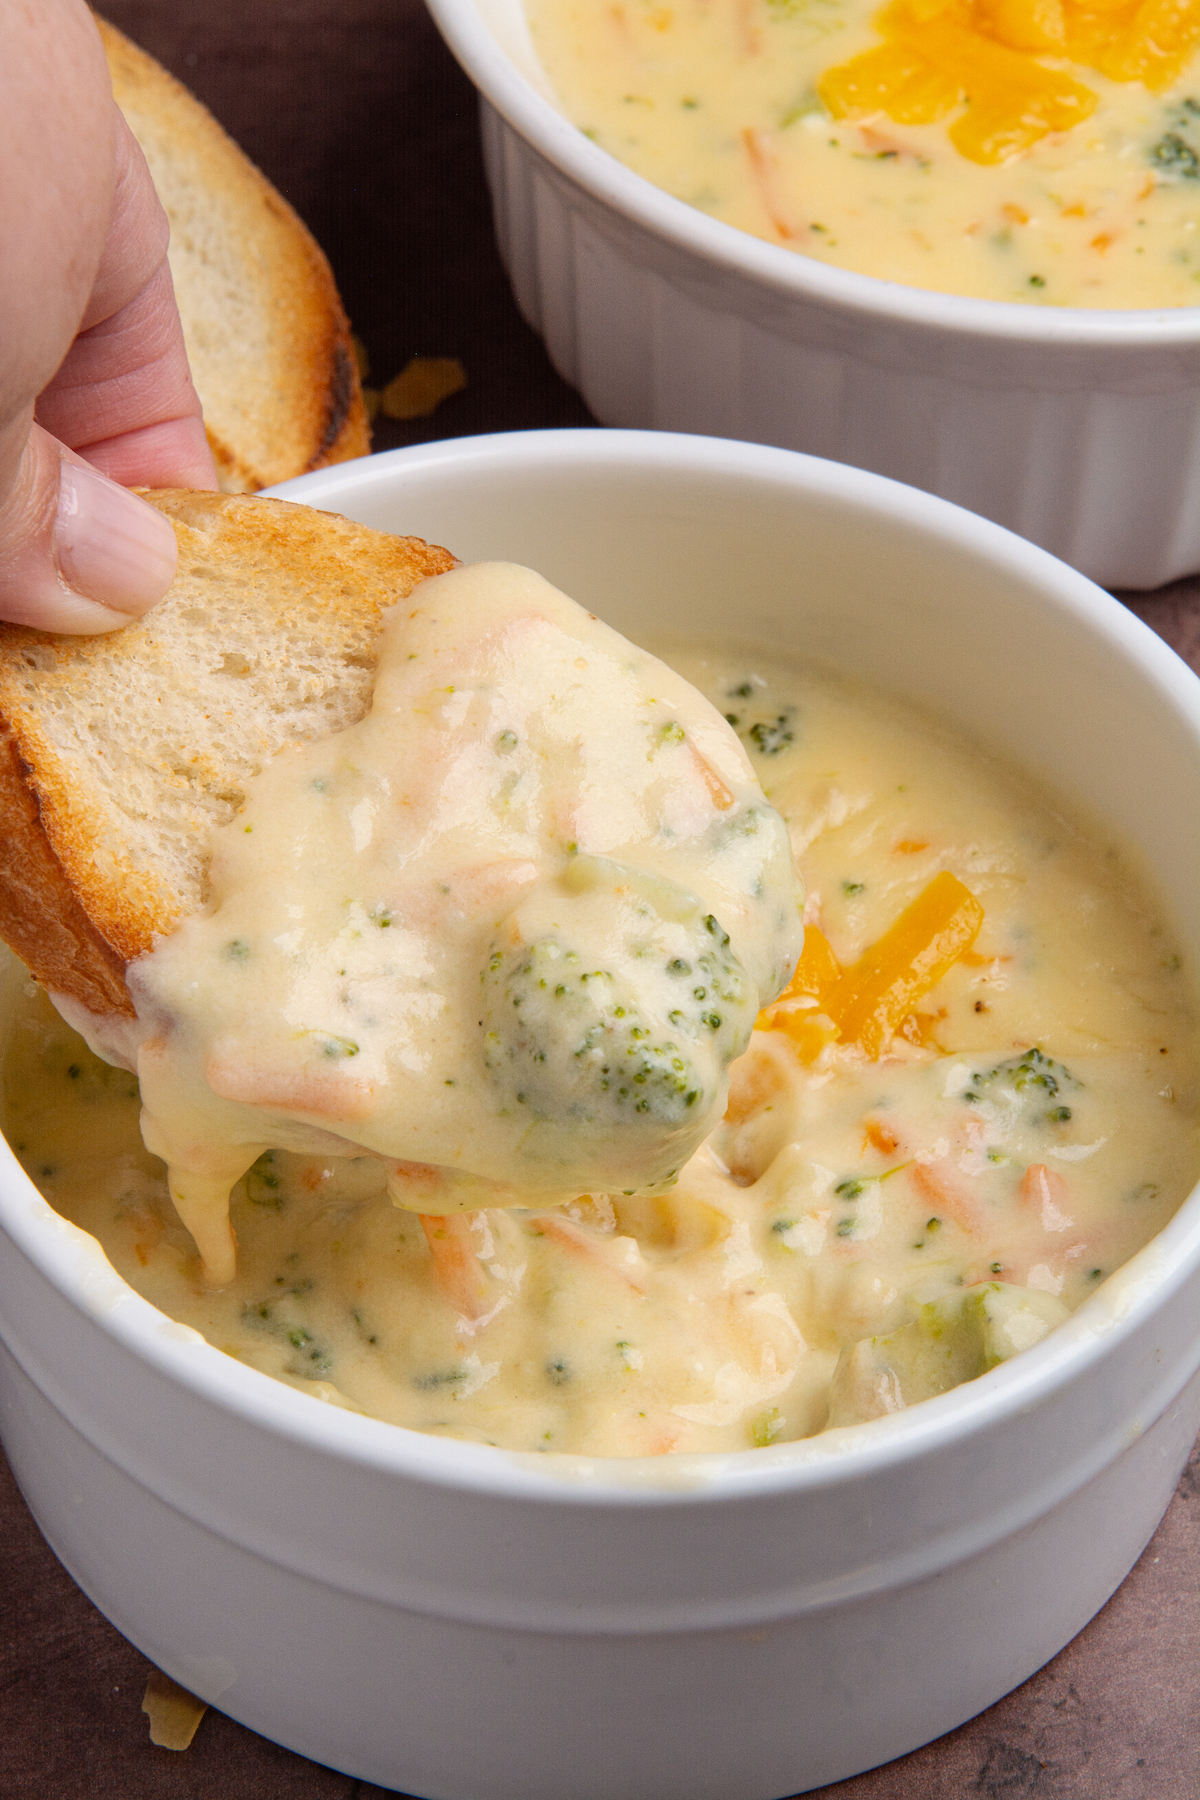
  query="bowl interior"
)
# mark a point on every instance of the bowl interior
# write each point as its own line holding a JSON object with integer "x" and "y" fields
{"x": 665, "y": 534}
{"x": 659, "y": 533}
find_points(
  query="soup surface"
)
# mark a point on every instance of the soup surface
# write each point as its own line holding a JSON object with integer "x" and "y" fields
{"x": 507, "y": 932}
{"x": 1007, "y": 149}
{"x": 877, "y": 1218}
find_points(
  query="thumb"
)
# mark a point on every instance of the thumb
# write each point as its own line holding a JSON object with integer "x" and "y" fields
{"x": 78, "y": 553}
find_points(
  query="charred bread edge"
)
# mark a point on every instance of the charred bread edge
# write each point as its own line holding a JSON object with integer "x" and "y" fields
{"x": 40, "y": 917}
{"x": 345, "y": 431}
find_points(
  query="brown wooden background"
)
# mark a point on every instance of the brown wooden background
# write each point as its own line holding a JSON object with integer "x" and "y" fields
{"x": 355, "y": 110}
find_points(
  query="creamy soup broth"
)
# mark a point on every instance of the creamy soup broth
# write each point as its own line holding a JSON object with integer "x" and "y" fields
{"x": 856, "y": 1235}
{"x": 729, "y": 105}
{"x": 506, "y": 933}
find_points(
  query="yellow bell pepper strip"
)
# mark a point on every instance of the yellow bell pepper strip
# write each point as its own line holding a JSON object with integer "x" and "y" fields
{"x": 870, "y": 999}
{"x": 807, "y": 1032}
{"x": 817, "y": 972}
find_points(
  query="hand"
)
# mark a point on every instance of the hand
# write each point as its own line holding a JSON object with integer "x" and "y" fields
{"x": 94, "y": 383}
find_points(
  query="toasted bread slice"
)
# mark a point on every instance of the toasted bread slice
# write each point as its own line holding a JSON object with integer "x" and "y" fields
{"x": 118, "y": 754}
{"x": 266, "y": 336}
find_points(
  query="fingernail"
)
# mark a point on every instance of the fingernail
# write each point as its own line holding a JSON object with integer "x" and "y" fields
{"x": 110, "y": 546}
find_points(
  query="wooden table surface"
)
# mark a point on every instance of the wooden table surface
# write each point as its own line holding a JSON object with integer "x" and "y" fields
{"x": 359, "y": 115}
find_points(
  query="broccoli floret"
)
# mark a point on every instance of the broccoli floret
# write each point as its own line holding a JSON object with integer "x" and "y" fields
{"x": 579, "y": 1049}
{"x": 952, "y": 1339}
{"x": 261, "y": 1183}
{"x": 1032, "y": 1072}
{"x": 1173, "y": 155}
{"x": 283, "y": 1318}
{"x": 770, "y": 736}
{"x": 569, "y": 1041}
{"x": 766, "y": 733}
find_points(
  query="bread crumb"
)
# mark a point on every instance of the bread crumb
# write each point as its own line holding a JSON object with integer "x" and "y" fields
{"x": 420, "y": 388}
{"x": 173, "y": 1713}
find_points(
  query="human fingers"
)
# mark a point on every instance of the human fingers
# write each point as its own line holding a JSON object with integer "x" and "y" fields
{"x": 78, "y": 552}
{"x": 57, "y": 172}
{"x": 123, "y": 397}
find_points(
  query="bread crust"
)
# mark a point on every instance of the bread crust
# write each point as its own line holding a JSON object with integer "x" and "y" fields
{"x": 40, "y": 917}
{"x": 84, "y": 885}
{"x": 298, "y": 405}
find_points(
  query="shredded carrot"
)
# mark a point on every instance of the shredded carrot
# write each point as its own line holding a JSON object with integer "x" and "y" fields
{"x": 765, "y": 171}
{"x": 936, "y": 1183}
{"x": 1039, "y": 1184}
{"x": 910, "y": 846}
{"x": 329, "y": 1092}
{"x": 890, "y": 145}
{"x": 720, "y": 795}
{"x": 748, "y": 31}
{"x": 620, "y": 19}
{"x": 869, "y": 1000}
{"x": 1045, "y": 1190}
{"x": 579, "y": 1243}
{"x": 455, "y": 1263}
{"x": 880, "y": 1136}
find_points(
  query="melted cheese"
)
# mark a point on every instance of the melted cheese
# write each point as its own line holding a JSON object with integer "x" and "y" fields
{"x": 1046, "y": 151}
{"x": 854, "y": 1235}
{"x": 506, "y": 933}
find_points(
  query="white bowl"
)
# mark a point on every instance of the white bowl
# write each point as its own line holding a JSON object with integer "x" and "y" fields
{"x": 456, "y": 1621}
{"x": 1078, "y": 428}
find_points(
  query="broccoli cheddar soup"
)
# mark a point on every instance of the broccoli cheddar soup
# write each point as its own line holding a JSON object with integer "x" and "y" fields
{"x": 506, "y": 933}
{"x": 1038, "y": 150}
{"x": 975, "y": 1100}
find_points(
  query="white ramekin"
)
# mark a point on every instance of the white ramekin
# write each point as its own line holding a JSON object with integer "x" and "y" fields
{"x": 1078, "y": 428}
{"x": 456, "y": 1621}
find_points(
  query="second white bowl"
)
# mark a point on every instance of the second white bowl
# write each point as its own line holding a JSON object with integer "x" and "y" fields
{"x": 1079, "y": 429}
